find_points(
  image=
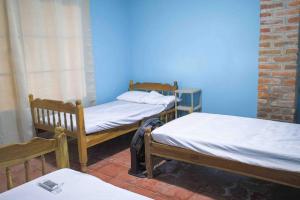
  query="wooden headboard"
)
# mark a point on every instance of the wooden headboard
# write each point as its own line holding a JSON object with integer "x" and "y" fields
{"x": 160, "y": 87}
{"x": 46, "y": 113}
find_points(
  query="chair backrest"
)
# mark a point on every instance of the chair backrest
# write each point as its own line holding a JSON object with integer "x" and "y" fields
{"x": 16, "y": 154}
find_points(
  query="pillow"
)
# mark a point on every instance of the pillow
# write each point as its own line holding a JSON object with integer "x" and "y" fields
{"x": 158, "y": 99}
{"x": 133, "y": 96}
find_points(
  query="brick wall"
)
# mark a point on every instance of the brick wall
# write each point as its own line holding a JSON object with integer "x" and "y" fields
{"x": 279, "y": 32}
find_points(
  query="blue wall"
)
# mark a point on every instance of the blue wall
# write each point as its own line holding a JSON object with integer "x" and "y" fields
{"x": 212, "y": 45}
{"x": 110, "y": 29}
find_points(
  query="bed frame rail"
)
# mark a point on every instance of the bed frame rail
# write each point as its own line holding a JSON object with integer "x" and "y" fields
{"x": 153, "y": 148}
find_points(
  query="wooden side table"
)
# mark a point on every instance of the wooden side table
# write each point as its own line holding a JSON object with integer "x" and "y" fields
{"x": 188, "y": 101}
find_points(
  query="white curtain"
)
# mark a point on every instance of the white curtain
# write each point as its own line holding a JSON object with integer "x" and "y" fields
{"x": 45, "y": 50}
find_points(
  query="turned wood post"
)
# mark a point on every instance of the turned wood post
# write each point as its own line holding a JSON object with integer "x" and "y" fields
{"x": 131, "y": 85}
{"x": 81, "y": 136}
{"x": 62, "y": 155}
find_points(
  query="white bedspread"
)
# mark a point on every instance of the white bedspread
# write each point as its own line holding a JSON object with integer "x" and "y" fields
{"x": 254, "y": 141}
{"x": 76, "y": 186}
{"x": 113, "y": 114}
{"x": 117, "y": 113}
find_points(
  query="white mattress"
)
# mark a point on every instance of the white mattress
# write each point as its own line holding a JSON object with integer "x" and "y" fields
{"x": 253, "y": 141}
{"x": 76, "y": 186}
{"x": 114, "y": 114}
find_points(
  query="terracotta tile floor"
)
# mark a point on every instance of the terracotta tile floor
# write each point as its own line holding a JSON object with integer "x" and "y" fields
{"x": 110, "y": 161}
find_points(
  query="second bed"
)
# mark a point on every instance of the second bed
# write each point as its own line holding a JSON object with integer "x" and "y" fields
{"x": 260, "y": 148}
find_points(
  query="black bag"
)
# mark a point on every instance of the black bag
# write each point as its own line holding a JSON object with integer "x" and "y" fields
{"x": 137, "y": 147}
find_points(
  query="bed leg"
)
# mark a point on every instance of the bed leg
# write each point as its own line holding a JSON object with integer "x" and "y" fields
{"x": 148, "y": 156}
{"x": 83, "y": 157}
{"x": 83, "y": 167}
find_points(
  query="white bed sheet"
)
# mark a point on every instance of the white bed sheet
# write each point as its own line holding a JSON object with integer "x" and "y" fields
{"x": 117, "y": 113}
{"x": 113, "y": 114}
{"x": 76, "y": 186}
{"x": 254, "y": 141}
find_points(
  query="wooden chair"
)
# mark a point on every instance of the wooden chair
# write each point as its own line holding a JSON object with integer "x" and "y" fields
{"x": 15, "y": 154}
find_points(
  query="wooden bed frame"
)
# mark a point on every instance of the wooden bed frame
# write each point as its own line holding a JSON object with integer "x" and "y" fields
{"x": 153, "y": 148}
{"x": 42, "y": 109}
{"x": 15, "y": 154}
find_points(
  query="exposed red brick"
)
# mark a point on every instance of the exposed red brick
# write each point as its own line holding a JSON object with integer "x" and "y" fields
{"x": 286, "y": 43}
{"x": 262, "y": 115}
{"x": 285, "y": 89}
{"x": 270, "y": 37}
{"x": 265, "y": 14}
{"x": 289, "y": 82}
{"x": 286, "y": 28}
{"x": 273, "y": 96}
{"x": 275, "y": 81}
{"x": 265, "y": 30}
{"x": 294, "y": 3}
{"x": 285, "y": 59}
{"x": 283, "y": 74}
{"x": 271, "y": 22}
{"x": 291, "y": 51}
{"x": 263, "y": 95}
{"x": 294, "y": 20}
{"x": 265, "y": 44}
{"x": 276, "y": 110}
{"x": 264, "y": 73}
{"x": 283, "y": 103}
{"x": 268, "y": 52}
{"x": 290, "y": 66}
{"x": 265, "y": 109}
{"x": 269, "y": 66}
{"x": 263, "y": 87}
{"x": 263, "y": 59}
{"x": 262, "y": 102}
{"x": 277, "y": 117}
{"x": 289, "y": 118}
{"x": 293, "y": 12}
{"x": 271, "y": 6}
{"x": 279, "y": 35}
{"x": 287, "y": 12}
{"x": 294, "y": 35}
